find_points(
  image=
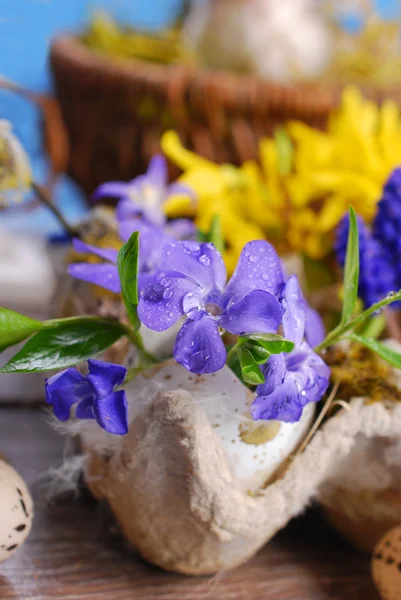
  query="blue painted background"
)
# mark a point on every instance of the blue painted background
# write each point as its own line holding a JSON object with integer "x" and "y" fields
{"x": 26, "y": 28}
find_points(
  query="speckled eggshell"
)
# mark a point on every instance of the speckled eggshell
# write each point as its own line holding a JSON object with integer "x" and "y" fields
{"x": 16, "y": 511}
{"x": 386, "y": 565}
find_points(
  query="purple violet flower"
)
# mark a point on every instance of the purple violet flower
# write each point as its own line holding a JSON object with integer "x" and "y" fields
{"x": 144, "y": 196}
{"x": 376, "y": 273}
{"x": 192, "y": 282}
{"x": 94, "y": 395}
{"x": 315, "y": 331}
{"x": 294, "y": 379}
{"x": 151, "y": 240}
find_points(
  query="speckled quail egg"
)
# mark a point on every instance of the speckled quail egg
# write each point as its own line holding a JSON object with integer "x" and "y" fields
{"x": 16, "y": 511}
{"x": 386, "y": 565}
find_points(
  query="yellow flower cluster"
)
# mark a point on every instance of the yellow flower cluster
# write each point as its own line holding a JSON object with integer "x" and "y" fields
{"x": 304, "y": 182}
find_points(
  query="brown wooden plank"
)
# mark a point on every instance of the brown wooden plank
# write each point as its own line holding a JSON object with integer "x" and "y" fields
{"x": 75, "y": 552}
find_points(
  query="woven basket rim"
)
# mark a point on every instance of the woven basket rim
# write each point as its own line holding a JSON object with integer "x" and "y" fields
{"x": 68, "y": 48}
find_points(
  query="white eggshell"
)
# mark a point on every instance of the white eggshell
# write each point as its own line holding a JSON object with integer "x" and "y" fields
{"x": 255, "y": 450}
{"x": 16, "y": 511}
{"x": 160, "y": 343}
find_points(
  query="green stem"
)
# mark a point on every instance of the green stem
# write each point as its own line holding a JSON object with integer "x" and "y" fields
{"x": 145, "y": 357}
{"x": 337, "y": 333}
{"x": 231, "y": 354}
{"x": 132, "y": 373}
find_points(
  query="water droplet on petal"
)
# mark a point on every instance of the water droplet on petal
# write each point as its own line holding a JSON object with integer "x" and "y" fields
{"x": 204, "y": 260}
{"x": 253, "y": 258}
{"x": 167, "y": 293}
{"x": 190, "y": 302}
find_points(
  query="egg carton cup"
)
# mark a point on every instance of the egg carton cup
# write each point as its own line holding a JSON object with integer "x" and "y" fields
{"x": 197, "y": 487}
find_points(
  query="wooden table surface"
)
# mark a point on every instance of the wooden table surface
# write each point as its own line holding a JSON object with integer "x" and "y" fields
{"x": 74, "y": 551}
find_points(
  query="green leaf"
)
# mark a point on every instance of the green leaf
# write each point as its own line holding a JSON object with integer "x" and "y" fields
{"x": 127, "y": 263}
{"x": 233, "y": 361}
{"x": 389, "y": 355}
{"x": 259, "y": 353}
{"x": 216, "y": 235}
{"x": 285, "y": 151}
{"x": 15, "y": 328}
{"x": 201, "y": 237}
{"x": 251, "y": 372}
{"x": 374, "y": 327}
{"x": 339, "y": 332}
{"x": 65, "y": 343}
{"x": 351, "y": 270}
{"x": 273, "y": 343}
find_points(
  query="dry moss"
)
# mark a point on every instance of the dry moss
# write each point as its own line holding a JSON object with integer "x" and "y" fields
{"x": 361, "y": 373}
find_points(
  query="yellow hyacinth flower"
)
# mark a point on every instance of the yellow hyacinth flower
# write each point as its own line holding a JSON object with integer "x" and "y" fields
{"x": 304, "y": 182}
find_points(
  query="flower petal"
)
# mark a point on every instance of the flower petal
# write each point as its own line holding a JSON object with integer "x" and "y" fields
{"x": 151, "y": 241}
{"x": 111, "y": 189}
{"x": 274, "y": 371}
{"x": 258, "y": 312}
{"x": 180, "y": 189}
{"x": 104, "y": 377}
{"x": 258, "y": 268}
{"x": 65, "y": 389}
{"x": 181, "y": 229}
{"x": 111, "y": 412}
{"x": 157, "y": 171}
{"x": 105, "y": 276}
{"x": 127, "y": 209}
{"x": 200, "y": 262}
{"x": 109, "y": 254}
{"x": 294, "y": 306}
{"x": 316, "y": 376}
{"x": 281, "y": 405}
{"x": 314, "y": 329}
{"x": 199, "y": 347}
{"x": 161, "y": 302}
{"x": 84, "y": 409}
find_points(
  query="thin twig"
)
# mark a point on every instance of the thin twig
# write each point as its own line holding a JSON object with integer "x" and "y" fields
{"x": 341, "y": 403}
{"x": 320, "y": 418}
{"x": 45, "y": 199}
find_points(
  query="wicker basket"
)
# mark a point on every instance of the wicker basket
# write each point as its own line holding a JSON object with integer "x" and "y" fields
{"x": 115, "y": 112}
